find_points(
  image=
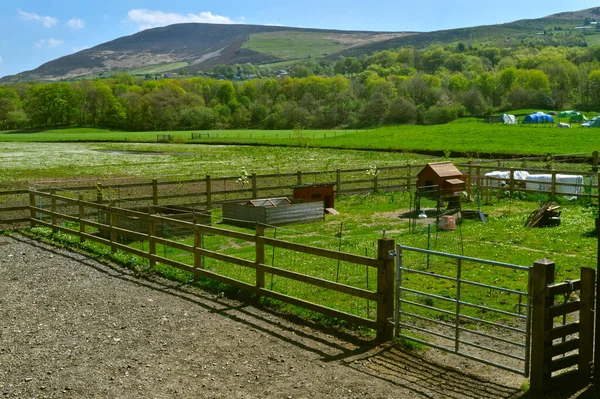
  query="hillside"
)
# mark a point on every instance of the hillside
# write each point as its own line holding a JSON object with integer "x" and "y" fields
{"x": 562, "y": 26}
{"x": 200, "y": 46}
{"x": 195, "y": 47}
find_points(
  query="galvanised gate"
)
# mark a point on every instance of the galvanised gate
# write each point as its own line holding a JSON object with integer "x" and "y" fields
{"x": 475, "y": 308}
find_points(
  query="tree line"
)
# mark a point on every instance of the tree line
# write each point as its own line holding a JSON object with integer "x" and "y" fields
{"x": 408, "y": 85}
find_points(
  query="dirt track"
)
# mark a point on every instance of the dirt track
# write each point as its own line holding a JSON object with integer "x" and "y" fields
{"x": 76, "y": 328}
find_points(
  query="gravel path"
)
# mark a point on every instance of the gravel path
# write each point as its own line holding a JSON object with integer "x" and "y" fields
{"x": 72, "y": 327}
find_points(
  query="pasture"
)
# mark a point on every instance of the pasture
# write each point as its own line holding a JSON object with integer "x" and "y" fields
{"x": 47, "y": 161}
{"x": 467, "y": 136}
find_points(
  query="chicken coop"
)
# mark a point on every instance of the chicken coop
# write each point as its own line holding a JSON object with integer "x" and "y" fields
{"x": 441, "y": 181}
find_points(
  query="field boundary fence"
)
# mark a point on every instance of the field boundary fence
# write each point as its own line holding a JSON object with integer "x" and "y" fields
{"x": 209, "y": 192}
{"x": 456, "y": 317}
{"x": 99, "y": 223}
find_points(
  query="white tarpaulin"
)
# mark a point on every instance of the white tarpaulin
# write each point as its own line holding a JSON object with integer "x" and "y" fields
{"x": 544, "y": 183}
{"x": 498, "y": 178}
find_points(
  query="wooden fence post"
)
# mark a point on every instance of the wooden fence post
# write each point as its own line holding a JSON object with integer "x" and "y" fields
{"x": 198, "y": 232}
{"x": 478, "y": 179}
{"x": 260, "y": 256}
{"x": 595, "y": 161}
{"x": 113, "y": 223}
{"x": 53, "y": 208}
{"x": 586, "y": 322}
{"x": 99, "y": 193}
{"x": 338, "y": 182}
{"x": 385, "y": 288}
{"x": 408, "y": 177}
{"x": 299, "y": 178}
{"x": 154, "y": 192}
{"x": 208, "y": 193}
{"x": 543, "y": 275}
{"x": 553, "y": 186}
{"x": 511, "y": 186}
{"x": 151, "y": 235}
{"x": 81, "y": 219}
{"x": 32, "y": 212}
{"x": 375, "y": 183}
{"x": 254, "y": 188}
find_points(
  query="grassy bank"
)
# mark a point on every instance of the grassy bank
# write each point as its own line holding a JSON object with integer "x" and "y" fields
{"x": 465, "y": 136}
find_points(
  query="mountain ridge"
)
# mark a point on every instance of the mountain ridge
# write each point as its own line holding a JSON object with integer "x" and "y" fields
{"x": 201, "y": 46}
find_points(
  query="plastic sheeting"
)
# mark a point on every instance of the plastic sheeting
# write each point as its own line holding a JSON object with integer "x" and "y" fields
{"x": 498, "y": 178}
{"x": 536, "y": 182}
{"x": 541, "y": 182}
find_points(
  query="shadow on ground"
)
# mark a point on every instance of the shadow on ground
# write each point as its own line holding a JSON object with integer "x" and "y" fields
{"x": 408, "y": 370}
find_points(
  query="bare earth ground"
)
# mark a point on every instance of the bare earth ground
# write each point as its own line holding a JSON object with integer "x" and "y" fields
{"x": 73, "y": 327}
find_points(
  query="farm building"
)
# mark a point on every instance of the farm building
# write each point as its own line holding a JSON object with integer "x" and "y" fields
{"x": 440, "y": 179}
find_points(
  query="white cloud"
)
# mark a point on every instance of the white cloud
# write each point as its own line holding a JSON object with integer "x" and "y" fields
{"x": 50, "y": 43}
{"x": 77, "y": 49}
{"x": 48, "y": 22}
{"x": 76, "y": 23}
{"x": 151, "y": 19}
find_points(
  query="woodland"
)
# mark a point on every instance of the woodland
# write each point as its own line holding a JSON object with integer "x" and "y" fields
{"x": 409, "y": 85}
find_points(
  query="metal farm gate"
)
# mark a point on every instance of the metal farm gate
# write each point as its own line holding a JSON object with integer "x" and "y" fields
{"x": 475, "y": 308}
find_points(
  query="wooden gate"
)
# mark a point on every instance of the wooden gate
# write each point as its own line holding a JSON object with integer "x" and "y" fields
{"x": 562, "y": 328}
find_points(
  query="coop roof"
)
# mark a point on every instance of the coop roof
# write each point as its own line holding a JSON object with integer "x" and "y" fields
{"x": 455, "y": 181}
{"x": 444, "y": 169}
{"x": 268, "y": 202}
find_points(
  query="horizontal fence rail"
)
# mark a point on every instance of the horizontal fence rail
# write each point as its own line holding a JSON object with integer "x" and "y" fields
{"x": 458, "y": 316}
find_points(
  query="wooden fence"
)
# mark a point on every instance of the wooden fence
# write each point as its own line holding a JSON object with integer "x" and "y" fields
{"x": 211, "y": 191}
{"x": 80, "y": 219}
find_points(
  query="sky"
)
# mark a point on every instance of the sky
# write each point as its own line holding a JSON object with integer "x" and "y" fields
{"x": 33, "y": 32}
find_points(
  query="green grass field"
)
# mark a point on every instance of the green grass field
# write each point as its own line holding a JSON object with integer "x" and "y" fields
{"x": 466, "y": 136}
{"x": 296, "y": 45}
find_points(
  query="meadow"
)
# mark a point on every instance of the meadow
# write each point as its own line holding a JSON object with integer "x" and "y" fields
{"x": 466, "y": 136}
{"x": 45, "y": 161}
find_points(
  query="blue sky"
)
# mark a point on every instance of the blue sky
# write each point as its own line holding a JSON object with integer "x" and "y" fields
{"x": 36, "y": 31}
